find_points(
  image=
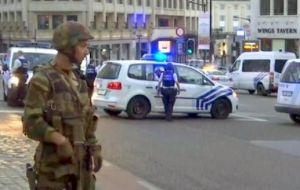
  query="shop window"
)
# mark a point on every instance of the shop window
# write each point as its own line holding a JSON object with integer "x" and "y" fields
{"x": 139, "y": 3}
{"x": 43, "y": 22}
{"x": 57, "y": 20}
{"x": 278, "y": 7}
{"x": 291, "y": 45}
{"x": 264, "y": 7}
{"x": 72, "y": 18}
{"x": 266, "y": 45}
{"x": 162, "y": 22}
{"x": 292, "y": 7}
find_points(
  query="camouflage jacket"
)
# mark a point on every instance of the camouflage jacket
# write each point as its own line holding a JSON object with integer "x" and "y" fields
{"x": 57, "y": 101}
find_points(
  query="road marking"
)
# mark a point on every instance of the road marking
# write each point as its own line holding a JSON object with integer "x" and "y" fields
{"x": 11, "y": 111}
{"x": 247, "y": 118}
{"x": 148, "y": 185}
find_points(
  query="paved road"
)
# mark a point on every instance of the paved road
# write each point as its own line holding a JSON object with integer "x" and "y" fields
{"x": 255, "y": 148}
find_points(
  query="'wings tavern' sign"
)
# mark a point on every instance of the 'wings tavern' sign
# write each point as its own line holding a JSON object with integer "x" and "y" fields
{"x": 277, "y": 30}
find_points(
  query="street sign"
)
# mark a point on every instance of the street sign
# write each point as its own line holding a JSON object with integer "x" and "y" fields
{"x": 180, "y": 31}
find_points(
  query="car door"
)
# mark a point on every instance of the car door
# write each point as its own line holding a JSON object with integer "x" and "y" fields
{"x": 192, "y": 85}
{"x": 234, "y": 74}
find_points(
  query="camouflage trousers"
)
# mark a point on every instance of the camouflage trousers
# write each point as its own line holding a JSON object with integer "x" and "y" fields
{"x": 47, "y": 181}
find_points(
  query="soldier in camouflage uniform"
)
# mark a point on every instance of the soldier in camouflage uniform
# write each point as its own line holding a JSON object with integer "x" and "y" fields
{"x": 58, "y": 114}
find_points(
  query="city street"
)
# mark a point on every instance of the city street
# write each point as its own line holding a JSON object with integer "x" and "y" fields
{"x": 256, "y": 148}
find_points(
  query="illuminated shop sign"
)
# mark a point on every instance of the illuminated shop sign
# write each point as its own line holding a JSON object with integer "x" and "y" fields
{"x": 164, "y": 46}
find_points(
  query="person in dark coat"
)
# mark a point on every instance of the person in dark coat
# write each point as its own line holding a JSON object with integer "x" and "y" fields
{"x": 90, "y": 75}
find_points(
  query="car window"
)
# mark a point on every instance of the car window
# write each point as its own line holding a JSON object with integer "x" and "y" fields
{"x": 279, "y": 64}
{"x": 136, "y": 72}
{"x": 109, "y": 71}
{"x": 35, "y": 59}
{"x": 256, "y": 65}
{"x": 149, "y": 72}
{"x": 189, "y": 76}
{"x": 292, "y": 73}
{"x": 236, "y": 66}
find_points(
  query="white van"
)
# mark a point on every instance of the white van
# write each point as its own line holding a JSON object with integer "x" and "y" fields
{"x": 36, "y": 57}
{"x": 259, "y": 71}
{"x": 288, "y": 97}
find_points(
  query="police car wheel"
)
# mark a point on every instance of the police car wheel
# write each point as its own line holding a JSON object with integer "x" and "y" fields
{"x": 138, "y": 108}
{"x": 220, "y": 109}
{"x": 112, "y": 112}
{"x": 261, "y": 90}
{"x": 295, "y": 118}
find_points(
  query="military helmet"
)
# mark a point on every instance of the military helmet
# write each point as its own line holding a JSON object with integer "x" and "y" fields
{"x": 67, "y": 35}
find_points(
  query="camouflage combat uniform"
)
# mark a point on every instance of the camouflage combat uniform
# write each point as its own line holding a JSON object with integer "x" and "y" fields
{"x": 58, "y": 101}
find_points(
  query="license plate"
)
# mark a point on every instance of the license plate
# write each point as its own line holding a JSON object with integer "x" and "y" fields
{"x": 101, "y": 91}
{"x": 287, "y": 93}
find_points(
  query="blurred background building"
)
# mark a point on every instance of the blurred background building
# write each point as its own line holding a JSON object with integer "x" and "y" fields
{"x": 276, "y": 24}
{"x": 122, "y": 29}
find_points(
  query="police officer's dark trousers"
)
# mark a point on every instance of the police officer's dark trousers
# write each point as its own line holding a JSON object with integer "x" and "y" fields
{"x": 169, "y": 97}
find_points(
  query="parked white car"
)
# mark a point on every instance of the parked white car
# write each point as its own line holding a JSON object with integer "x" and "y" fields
{"x": 131, "y": 86}
{"x": 220, "y": 76}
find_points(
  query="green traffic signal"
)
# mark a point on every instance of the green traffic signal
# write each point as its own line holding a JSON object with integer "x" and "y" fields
{"x": 189, "y": 51}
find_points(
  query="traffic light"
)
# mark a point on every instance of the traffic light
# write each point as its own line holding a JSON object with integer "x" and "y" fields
{"x": 190, "y": 47}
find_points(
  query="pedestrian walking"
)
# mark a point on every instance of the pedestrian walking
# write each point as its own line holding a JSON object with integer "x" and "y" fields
{"x": 90, "y": 75}
{"x": 58, "y": 115}
{"x": 166, "y": 86}
{"x": 20, "y": 70}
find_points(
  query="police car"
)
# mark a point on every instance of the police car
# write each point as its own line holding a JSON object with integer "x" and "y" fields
{"x": 131, "y": 86}
{"x": 288, "y": 95}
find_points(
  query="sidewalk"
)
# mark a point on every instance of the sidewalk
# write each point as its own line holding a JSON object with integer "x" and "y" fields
{"x": 16, "y": 150}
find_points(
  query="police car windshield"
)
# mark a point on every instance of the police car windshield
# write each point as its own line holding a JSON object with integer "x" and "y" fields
{"x": 35, "y": 59}
{"x": 292, "y": 73}
{"x": 109, "y": 71}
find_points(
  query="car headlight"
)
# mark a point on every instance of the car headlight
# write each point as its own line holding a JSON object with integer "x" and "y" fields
{"x": 14, "y": 80}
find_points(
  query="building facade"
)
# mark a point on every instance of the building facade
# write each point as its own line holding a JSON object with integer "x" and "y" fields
{"x": 276, "y": 24}
{"x": 231, "y": 15}
{"x": 122, "y": 28}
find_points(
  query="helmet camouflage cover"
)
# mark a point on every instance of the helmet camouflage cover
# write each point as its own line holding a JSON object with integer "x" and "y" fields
{"x": 67, "y": 35}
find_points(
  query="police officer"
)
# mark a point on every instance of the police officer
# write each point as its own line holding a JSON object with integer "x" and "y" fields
{"x": 90, "y": 75}
{"x": 58, "y": 115}
{"x": 20, "y": 70}
{"x": 166, "y": 85}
